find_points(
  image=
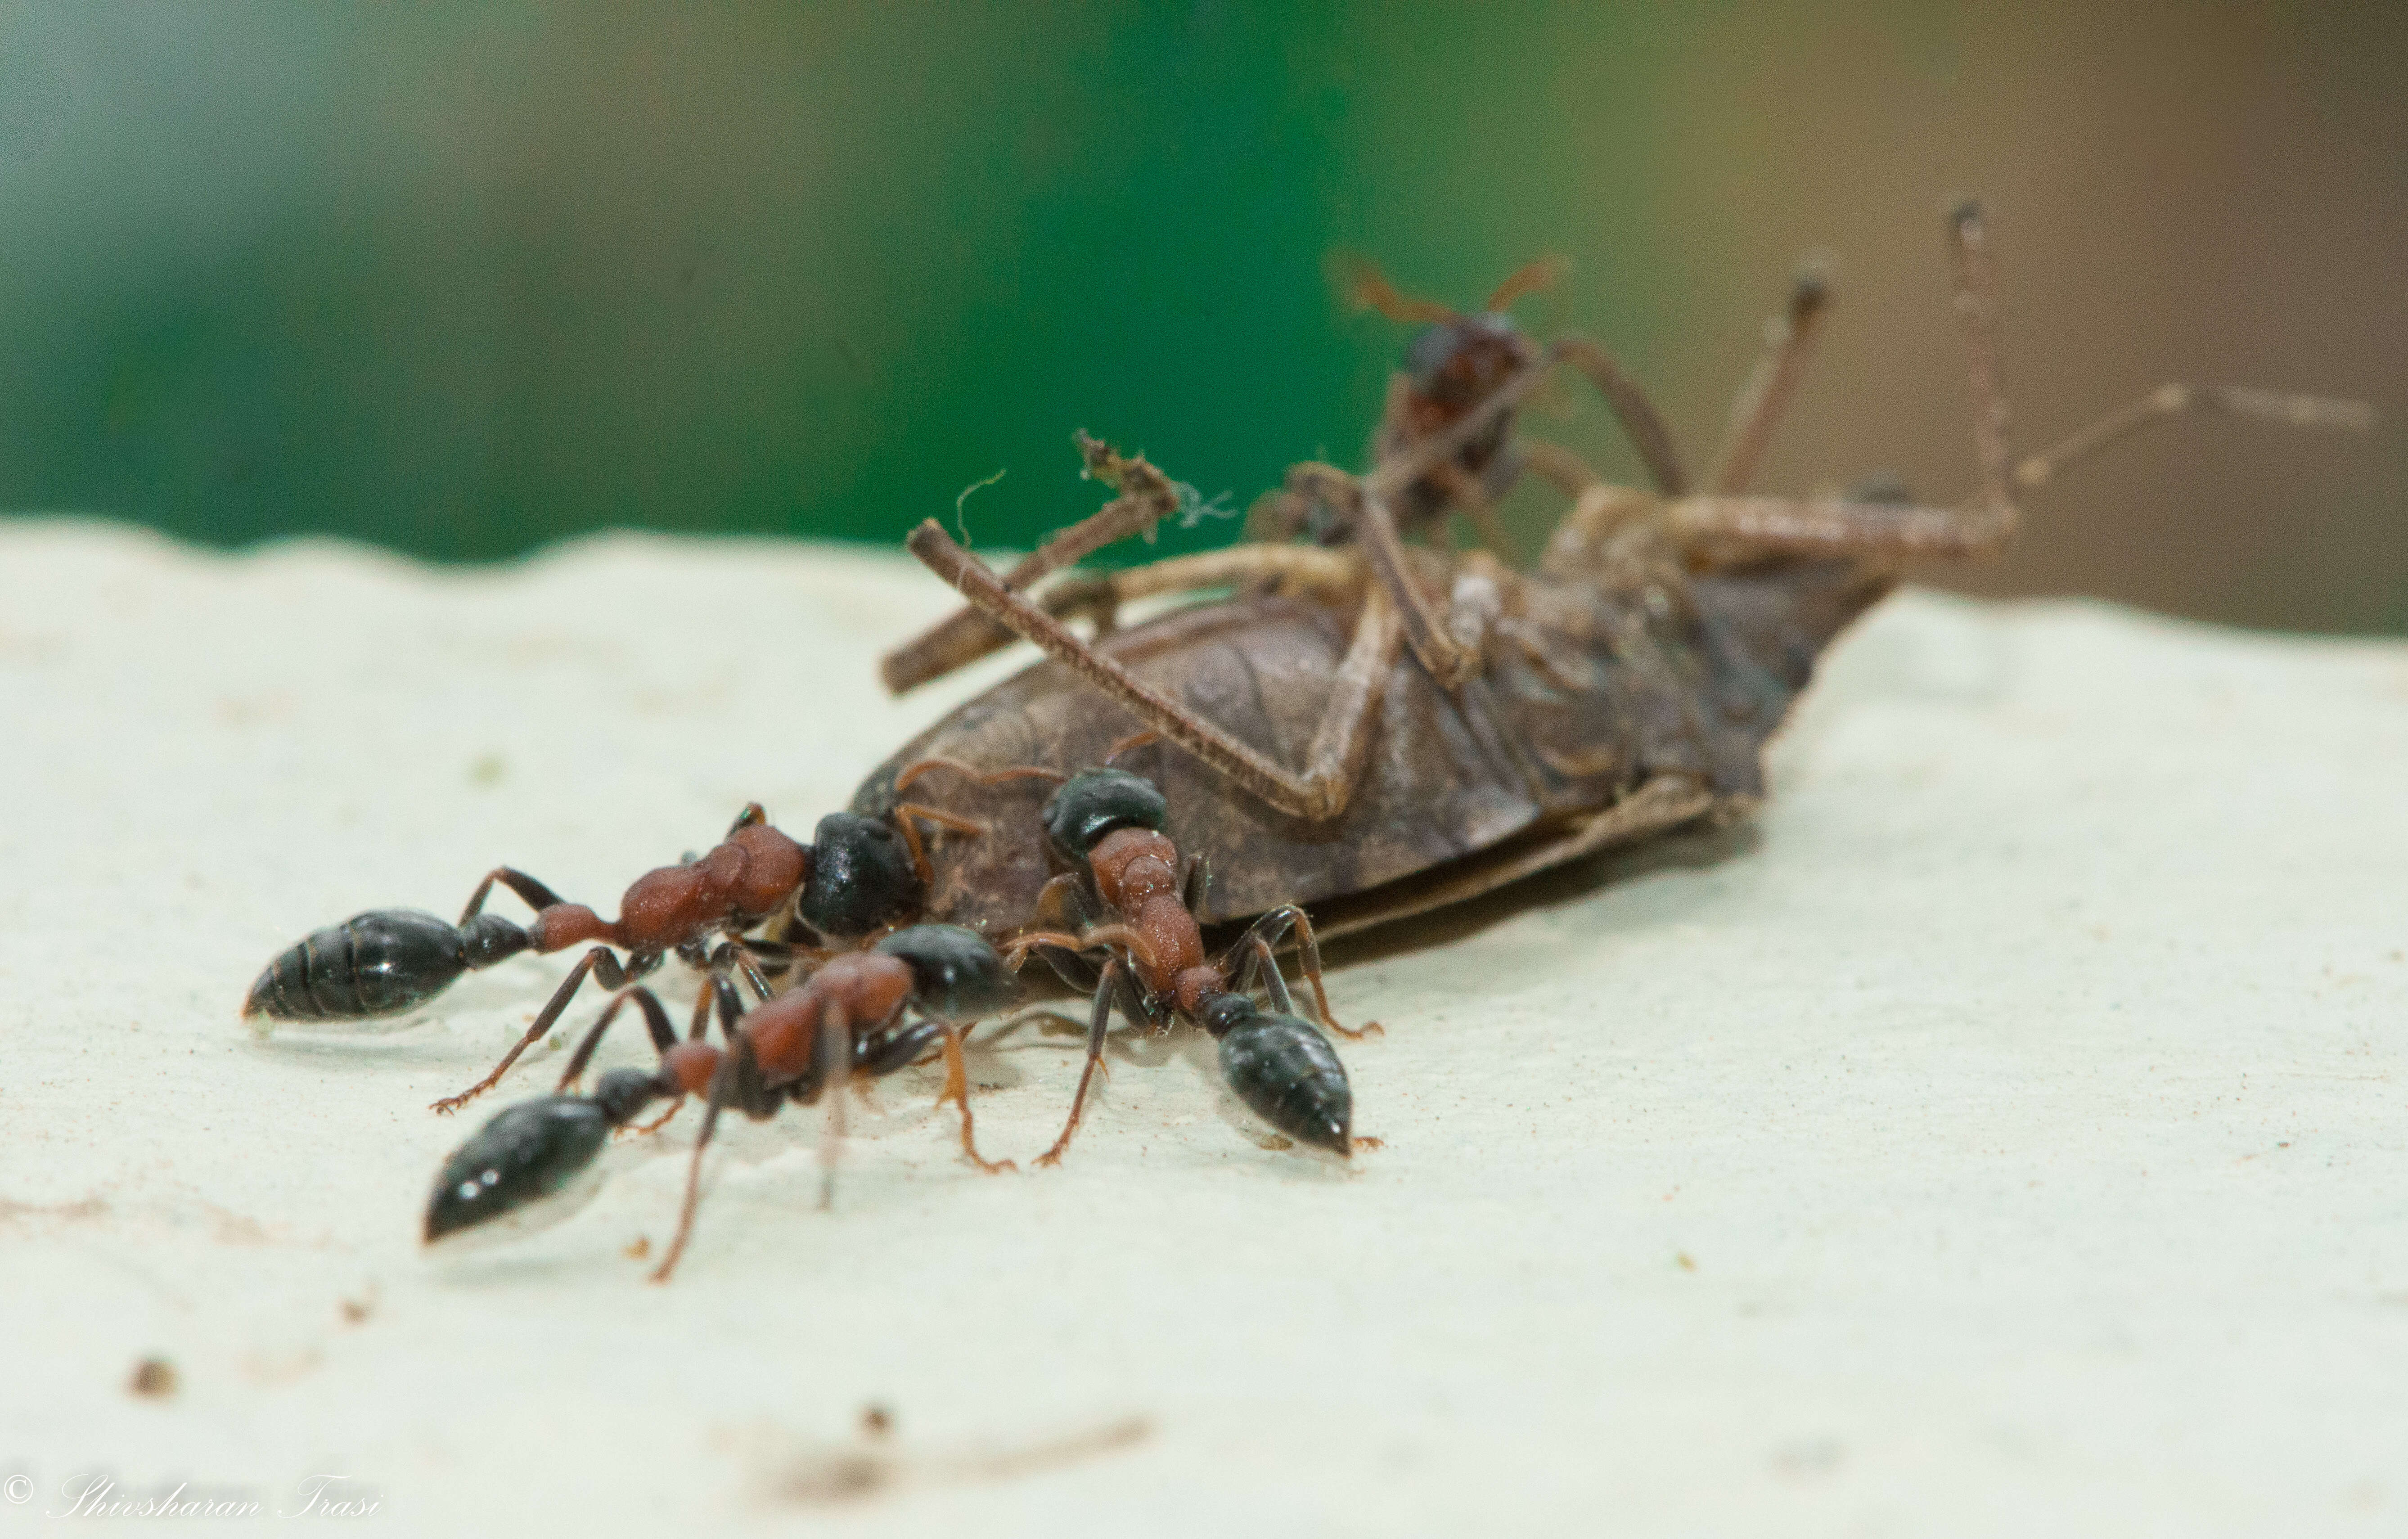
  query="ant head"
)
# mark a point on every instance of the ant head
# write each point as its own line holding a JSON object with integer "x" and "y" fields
{"x": 861, "y": 877}
{"x": 1094, "y": 802}
{"x": 1455, "y": 365}
{"x": 956, "y": 975}
{"x": 523, "y": 1164}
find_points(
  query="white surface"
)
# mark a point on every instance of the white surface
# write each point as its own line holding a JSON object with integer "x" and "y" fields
{"x": 2006, "y": 1137}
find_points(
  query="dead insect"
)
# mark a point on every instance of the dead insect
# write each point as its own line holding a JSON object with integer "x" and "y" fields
{"x": 1460, "y": 725}
{"x": 1106, "y": 825}
{"x": 867, "y": 1013}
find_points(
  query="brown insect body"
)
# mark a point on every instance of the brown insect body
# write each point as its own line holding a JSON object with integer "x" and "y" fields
{"x": 1608, "y": 681}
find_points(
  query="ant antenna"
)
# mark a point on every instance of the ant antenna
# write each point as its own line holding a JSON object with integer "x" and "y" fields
{"x": 1365, "y": 287}
{"x": 1546, "y": 273}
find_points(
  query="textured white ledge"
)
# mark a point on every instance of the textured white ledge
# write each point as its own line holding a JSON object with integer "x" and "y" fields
{"x": 2006, "y": 1136}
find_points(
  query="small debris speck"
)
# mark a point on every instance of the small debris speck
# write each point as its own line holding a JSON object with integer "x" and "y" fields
{"x": 154, "y": 1377}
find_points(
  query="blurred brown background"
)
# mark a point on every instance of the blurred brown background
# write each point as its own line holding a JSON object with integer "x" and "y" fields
{"x": 463, "y": 279}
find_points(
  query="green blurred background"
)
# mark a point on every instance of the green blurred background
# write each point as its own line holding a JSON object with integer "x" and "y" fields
{"x": 462, "y": 280}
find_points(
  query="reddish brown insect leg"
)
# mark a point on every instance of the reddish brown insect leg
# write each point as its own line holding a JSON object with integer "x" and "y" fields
{"x": 602, "y": 963}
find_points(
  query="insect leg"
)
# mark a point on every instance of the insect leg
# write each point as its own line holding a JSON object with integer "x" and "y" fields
{"x": 602, "y": 963}
{"x": 1248, "y": 766}
{"x": 1107, "y": 992}
{"x": 1631, "y": 407}
{"x": 531, "y": 892}
{"x": 1269, "y": 931}
{"x": 957, "y": 1090}
{"x": 1557, "y": 464}
{"x": 835, "y": 1044}
{"x": 2171, "y": 400}
{"x": 1788, "y": 338}
{"x": 1146, "y": 498}
{"x": 656, "y": 1021}
{"x": 1472, "y": 501}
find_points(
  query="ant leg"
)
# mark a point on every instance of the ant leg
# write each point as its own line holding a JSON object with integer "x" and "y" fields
{"x": 1146, "y": 496}
{"x": 2171, "y": 400}
{"x": 1471, "y": 499}
{"x": 533, "y": 894}
{"x": 907, "y": 814}
{"x": 656, "y": 1021}
{"x": 1107, "y": 992}
{"x": 917, "y": 768}
{"x": 1261, "y": 967}
{"x": 1557, "y": 465}
{"x": 602, "y": 964}
{"x": 1334, "y": 762}
{"x": 1269, "y": 929}
{"x": 1788, "y": 338}
{"x": 903, "y": 1047}
{"x": 693, "y": 1190}
{"x": 1631, "y": 407}
{"x": 835, "y": 1044}
{"x": 957, "y": 1089}
{"x": 1195, "y": 882}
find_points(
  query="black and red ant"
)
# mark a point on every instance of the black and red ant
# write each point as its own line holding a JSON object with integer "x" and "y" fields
{"x": 858, "y": 875}
{"x": 854, "y": 1017}
{"x": 1107, "y": 827}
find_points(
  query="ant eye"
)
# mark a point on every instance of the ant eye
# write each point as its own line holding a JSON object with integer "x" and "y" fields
{"x": 862, "y": 878}
{"x": 1094, "y": 802}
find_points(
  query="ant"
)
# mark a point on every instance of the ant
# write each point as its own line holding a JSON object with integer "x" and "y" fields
{"x": 1106, "y": 825}
{"x": 850, "y": 1017}
{"x": 859, "y": 875}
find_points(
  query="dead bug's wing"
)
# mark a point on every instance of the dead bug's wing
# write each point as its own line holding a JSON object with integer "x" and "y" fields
{"x": 1655, "y": 806}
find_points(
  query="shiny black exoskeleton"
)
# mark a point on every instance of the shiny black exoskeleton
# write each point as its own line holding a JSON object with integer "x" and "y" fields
{"x": 378, "y": 963}
{"x": 533, "y": 1151}
{"x": 1283, "y": 1067}
{"x": 1094, "y": 802}
{"x": 956, "y": 973}
{"x": 862, "y": 878}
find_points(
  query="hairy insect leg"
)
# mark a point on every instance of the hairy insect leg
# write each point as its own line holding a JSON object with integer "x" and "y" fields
{"x": 1297, "y": 568}
{"x": 602, "y": 963}
{"x": 1107, "y": 988}
{"x": 1146, "y": 496}
{"x": 1788, "y": 338}
{"x": 2173, "y": 400}
{"x": 1838, "y": 526}
{"x": 1338, "y": 745}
